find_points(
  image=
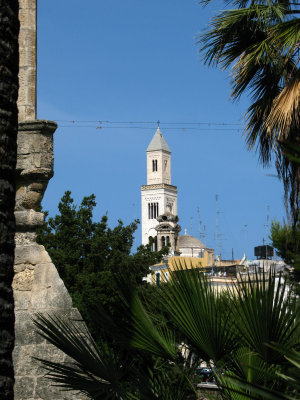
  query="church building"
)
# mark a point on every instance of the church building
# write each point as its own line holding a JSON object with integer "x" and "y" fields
{"x": 159, "y": 208}
{"x": 159, "y": 197}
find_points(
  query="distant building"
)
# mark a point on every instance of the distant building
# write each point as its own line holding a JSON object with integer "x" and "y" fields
{"x": 159, "y": 206}
{"x": 158, "y": 196}
{"x": 190, "y": 246}
{"x": 160, "y": 219}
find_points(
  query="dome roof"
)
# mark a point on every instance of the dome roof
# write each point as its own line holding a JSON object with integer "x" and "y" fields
{"x": 190, "y": 241}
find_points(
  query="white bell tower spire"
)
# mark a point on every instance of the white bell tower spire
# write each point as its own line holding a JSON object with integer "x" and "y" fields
{"x": 158, "y": 160}
{"x": 158, "y": 196}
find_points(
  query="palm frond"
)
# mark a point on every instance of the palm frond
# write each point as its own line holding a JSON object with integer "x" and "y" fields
{"x": 99, "y": 375}
{"x": 158, "y": 340}
{"x": 285, "y": 109}
{"x": 266, "y": 382}
{"x": 263, "y": 314}
{"x": 193, "y": 305}
{"x": 260, "y": 42}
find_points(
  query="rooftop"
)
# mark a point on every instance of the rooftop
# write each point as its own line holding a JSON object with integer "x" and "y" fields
{"x": 158, "y": 142}
{"x": 190, "y": 241}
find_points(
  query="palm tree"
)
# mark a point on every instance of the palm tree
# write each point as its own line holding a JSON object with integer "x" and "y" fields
{"x": 260, "y": 41}
{"x": 238, "y": 332}
{"x": 9, "y": 68}
{"x": 99, "y": 372}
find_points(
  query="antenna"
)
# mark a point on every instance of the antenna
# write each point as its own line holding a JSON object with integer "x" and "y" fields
{"x": 218, "y": 236}
{"x": 244, "y": 230}
{"x": 191, "y": 230}
{"x": 267, "y": 230}
{"x": 267, "y": 224}
{"x": 204, "y": 230}
{"x": 199, "y": 221}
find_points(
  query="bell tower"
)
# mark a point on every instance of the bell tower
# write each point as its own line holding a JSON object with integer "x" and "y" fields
{"x": 159, "y": 195}
{"x": 158, "y": 160}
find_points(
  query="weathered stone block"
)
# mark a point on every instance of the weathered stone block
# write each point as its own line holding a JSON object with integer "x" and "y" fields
{"x": 45, "y": 389}
{"x": 32, "y": 254}
{"x": 24, "y": 238}
{"x": 32, "y": 199}
{"x": 24, "y": 388}
{"x": 25, "y": 359}
{"x": 48, "y": 290}
{"x": 25, "y": 330}
{"x": 22, "y": 300}
{"x": 29, "y": 218}
{"x": 23, "y": 280}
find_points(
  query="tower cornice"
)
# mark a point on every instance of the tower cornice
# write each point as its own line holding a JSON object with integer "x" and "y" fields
{"x": 159, "y": 186}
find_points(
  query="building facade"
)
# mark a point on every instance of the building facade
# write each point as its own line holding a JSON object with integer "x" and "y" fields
{"x": 159, "y": 196}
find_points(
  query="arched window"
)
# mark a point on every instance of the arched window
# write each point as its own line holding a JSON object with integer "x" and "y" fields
{"x": 168, "y": 240}
{"x": 163, "y": 241}
{"x": 153, "y": 242}
{"x": 154, "y": 165}
{"x": 153, "y": 210}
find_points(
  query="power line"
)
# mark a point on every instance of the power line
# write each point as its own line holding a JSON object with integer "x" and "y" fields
{"x": 148, "y": 122}
{"x": 149, "y": 128}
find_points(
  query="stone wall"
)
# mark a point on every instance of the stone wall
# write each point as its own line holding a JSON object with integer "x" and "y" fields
{"x": 37, "y": 285}
{"x": 27, "y": 60}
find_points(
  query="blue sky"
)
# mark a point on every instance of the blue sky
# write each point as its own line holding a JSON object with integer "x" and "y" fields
{"x": 137, "y": 61}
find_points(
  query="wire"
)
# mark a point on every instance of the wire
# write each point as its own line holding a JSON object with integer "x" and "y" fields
{"x": 182, "y": 126}
{"x": 149, "y": 128}
{"x": 149, "y": 122}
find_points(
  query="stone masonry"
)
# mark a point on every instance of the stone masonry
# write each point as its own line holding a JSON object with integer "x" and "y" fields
{"x": 37, "y": 285}
{"x": 27, "y": 61}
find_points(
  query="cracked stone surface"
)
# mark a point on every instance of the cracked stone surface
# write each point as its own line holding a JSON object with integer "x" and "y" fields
{"x": 37, "y": 285}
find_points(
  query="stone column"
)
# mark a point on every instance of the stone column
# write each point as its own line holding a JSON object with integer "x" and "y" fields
{"x": 27, "y": 62}
{"x": 37, "y": 285}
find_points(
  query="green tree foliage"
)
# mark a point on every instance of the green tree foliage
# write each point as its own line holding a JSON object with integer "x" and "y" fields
{"x": 250, "y": 334}
{"x": 259, "y": 40}
{"x": 91, "y": 257}
{"x": 286, "y": 239}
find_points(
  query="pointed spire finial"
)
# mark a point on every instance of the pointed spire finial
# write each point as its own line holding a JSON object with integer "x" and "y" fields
{"x": 158, "y": 123}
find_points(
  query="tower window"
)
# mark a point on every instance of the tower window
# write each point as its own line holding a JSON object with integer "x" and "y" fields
{"x": 154, "y": 165}
{"x": 163, "y": 241}
{"x": 153, "y": 242}
{"x": 168, "y": 240}
{"x": 153, "y": 210}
